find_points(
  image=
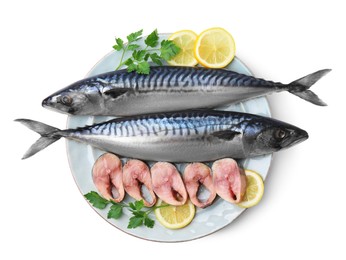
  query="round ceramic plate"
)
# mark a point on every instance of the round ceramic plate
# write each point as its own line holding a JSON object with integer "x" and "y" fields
{"x": 211, "y": 219}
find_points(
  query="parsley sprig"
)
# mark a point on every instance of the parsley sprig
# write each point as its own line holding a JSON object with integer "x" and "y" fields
{"x": 140, "y": 58}
{"x": 139, "y": 211}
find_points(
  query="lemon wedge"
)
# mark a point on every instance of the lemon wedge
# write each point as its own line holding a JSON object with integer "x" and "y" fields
{"x": 214, "y": 48}
{"x": 175, "y": 217}
{"x": 185, "y": 40}
{"x": 254, "y": 190}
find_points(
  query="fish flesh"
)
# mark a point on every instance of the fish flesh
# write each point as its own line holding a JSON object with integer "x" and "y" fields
{"x": 168, "y": 184}
{"x": 197, "y": 175}
{"x": 169, "y": 88}
{"x": 229, "y": 180}
{"x": 186, "y": 136}
{"x": 108, "y": 178}
{"x": 136, "y": 174}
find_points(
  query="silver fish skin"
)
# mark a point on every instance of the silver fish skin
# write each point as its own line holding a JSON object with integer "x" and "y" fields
{"x": 188, "y": 136}
{"x": 169, "y": 88}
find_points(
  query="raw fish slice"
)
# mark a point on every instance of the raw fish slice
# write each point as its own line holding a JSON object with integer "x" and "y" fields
{"x": 135, "y": 174}
{"x": 168, "y": 184}
{"x": 195, "y": 175}
{"x": 107, "y": 177}
{"x": 229, "y": 180}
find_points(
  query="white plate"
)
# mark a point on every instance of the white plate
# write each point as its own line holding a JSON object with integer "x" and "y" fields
{"x": 221, "y": 213}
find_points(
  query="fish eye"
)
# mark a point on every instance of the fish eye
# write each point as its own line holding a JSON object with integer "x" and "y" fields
{"x": 279, "y": 134}
{"x": 66, "y": 100}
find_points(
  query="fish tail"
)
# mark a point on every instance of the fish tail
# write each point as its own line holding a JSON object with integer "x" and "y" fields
{"x": 48, "y": 134}
{"x": 300, "y": 87}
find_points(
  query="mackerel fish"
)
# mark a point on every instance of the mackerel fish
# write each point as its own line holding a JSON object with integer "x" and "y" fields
{"x": 187, "y": 136}
{"x": 169, "y": 88}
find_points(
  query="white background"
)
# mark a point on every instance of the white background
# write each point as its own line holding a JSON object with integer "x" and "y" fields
{"x": 47, "y": 45}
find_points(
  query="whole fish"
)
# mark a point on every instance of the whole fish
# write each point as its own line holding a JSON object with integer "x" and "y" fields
{"x": 169, "y": 88}
{"x": 187, "y": 136}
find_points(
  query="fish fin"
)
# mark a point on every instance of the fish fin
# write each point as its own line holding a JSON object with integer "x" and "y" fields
{"x": 117, "y": 92}
{"x": 38, "y": 127}
{"x": 310, "y": 96}
{"x": 39, "y": 145}
{"x": 225, "y": 134}
{"x": 300, "y": 87}
{"x": 48, "y": 135}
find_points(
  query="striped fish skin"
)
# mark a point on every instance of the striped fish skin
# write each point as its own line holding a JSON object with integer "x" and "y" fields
{"x": 189, "y": 136}
{"x": 167, "y": 88}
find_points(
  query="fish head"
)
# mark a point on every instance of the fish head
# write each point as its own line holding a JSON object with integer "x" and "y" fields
{"x": 272, "y": 136}
{"x": 81, "y": 100}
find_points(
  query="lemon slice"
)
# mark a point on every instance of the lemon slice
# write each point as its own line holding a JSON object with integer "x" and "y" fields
{"x": 214, "y": 48}
{"x": 175, "y": 217}
{"x": 254, "y": 190}
{"x": 184, "y": 39}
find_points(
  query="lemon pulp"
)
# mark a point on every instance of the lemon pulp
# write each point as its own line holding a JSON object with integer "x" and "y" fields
{"x": 214, "y": 48}
{"x": 254, "y": 190}
{"x": 175, "y": 217}
{"x": 185, "y": 40}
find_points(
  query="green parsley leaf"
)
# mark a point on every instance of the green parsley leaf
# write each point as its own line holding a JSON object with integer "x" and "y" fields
{"x": 147, "y": 56}
{"x": 117, "y": 47}
{"x": 135, "y": 222}
{"x": 134, "y": 36}
{"x": 138, "y": 55}
{"x": 132, "y": 47}
{"x": 168, "y": 49}
{"x": 138, "y": 213}
{"x": 152, "y": 39}
{"x": 120, "y": 44}
{"x": 148, "y": 222}
{"x": 143, "y": 67}
{"x": 139, "y": 60}
{"x": 115, "y": 211}
{"x": 139, "y": 204}
{"x": 140, "y": 217}
{"x": 156, "y": 58}
{"x": 128, "y": 62}
{"x": 131, "y": 67}
{"x": 132, "y": 205}
{"x": 96, "y": 200}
